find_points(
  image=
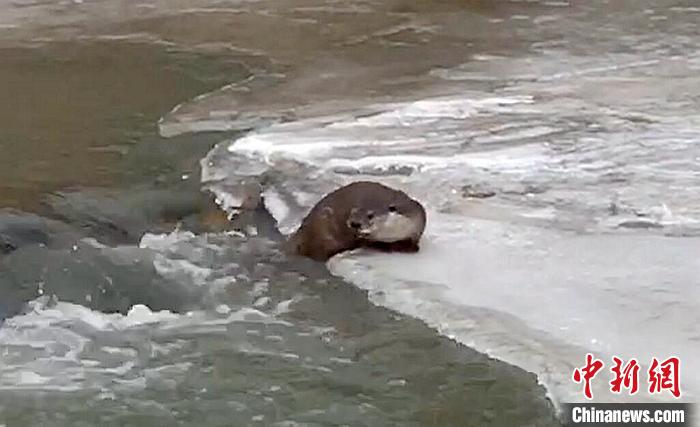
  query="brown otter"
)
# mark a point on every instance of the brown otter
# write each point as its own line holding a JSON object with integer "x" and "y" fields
{"x": 361, "y": 214}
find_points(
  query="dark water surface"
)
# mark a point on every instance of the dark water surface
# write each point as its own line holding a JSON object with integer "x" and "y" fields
{"x": 84, "y": 113}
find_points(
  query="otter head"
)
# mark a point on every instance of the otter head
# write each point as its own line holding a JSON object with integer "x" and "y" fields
{"x": 388, "y": 221}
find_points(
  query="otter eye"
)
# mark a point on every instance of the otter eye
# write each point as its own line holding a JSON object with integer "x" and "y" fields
{"x": 392, "y": 208}
{"x": 370, "y": 215}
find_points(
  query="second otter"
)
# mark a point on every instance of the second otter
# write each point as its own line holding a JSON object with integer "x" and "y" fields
{"x": 361, "y": 214}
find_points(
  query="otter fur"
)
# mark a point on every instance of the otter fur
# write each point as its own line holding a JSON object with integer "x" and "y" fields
{"x": 360, "y": 214}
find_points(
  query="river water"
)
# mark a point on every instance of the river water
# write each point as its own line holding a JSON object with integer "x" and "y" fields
{"x": 554, "y": 145}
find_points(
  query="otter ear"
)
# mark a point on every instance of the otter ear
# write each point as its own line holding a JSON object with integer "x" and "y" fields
{"x": 327, "y": 211}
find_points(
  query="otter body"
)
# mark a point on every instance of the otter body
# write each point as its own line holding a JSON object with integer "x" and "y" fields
{"x": 361, "y": 214}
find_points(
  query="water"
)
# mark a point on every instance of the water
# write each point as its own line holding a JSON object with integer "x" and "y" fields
{"x": 592, "y": 162}
{"x": 553, "y": 145}
{"x": 268, "y": 345}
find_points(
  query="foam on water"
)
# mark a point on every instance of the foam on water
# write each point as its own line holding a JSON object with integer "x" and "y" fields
{"x": 68, "y": 347}
{"x": 58, "y": 335}
{"x": 61, "y": 346}
{"x": 542, "y": 272}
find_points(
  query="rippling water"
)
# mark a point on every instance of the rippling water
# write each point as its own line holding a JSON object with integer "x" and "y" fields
{"x": 552, "y": 143}
{"x": 269, "y": 346}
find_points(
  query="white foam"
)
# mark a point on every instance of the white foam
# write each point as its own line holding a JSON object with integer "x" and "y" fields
{"x": 139, "y": 314}
{"x": 56, "y": 335}
{"x": 56, "y": 346}
{"x": 63, "y": 346}
{"x": 41, "y": 315}
{"x": 164, "y": 242}
{"x": 181, "y": 270}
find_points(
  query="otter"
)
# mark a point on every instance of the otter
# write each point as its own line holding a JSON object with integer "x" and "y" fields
{"x": 360, "y": 214}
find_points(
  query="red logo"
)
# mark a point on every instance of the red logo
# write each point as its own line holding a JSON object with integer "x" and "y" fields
{"x": 589, "y": 372}
{"x": 627, "y": 376}
{"x": 664, "y": 375}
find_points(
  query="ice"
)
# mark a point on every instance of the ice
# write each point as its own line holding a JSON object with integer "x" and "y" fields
{"x": 541, "y": 272}
{"x": 541, "y": 300}
{"x": 316, "y": 140}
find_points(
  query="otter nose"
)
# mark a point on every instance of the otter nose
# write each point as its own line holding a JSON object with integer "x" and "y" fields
{"x": 354, "y": 224}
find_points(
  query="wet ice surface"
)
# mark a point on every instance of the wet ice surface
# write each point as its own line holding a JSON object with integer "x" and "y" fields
{"x": 587, "y": 243}
{"x": 531, "y": 298}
